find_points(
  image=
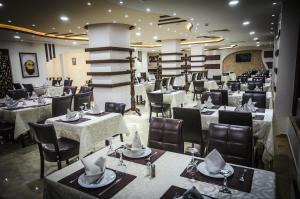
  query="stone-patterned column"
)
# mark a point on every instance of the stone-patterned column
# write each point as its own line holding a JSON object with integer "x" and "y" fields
{"x": 109, "y": 47}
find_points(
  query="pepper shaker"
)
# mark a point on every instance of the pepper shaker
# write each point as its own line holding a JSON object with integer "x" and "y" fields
{"x": 153, "y": 171}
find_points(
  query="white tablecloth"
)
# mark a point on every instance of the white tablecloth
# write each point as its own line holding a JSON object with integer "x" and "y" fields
{"x": 225, "y": 78}
{"x": 91, "y": 133}
{"x": 53, "y": 91}
{"x": 176, "y": 98}
{"x": 21, "y": 117}
{"x": 211, "y": 84}
{"x": 168, "y": 169}
{"x": 266, "y": 87}
{"x": 235, "y": 99}
{"x": 262, "y": 129}
{"x": 141, "y": 89}
{"x": 232, "y": 76}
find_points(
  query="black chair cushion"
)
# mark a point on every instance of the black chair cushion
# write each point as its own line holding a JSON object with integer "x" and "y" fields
{"x": 113, "y": 107}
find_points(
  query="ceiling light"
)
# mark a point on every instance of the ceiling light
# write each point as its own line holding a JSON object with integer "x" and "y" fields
{"x": 109, "y": 10}
{"x": 1, "y": 4}
{"x": 17, "y": 37}
{"x": 255, "y": 38}
{"x": 174, "y": 14}
{"x": 114, "y": 21}
{"x": 155, "y": 37}
{"x": 64, "y": 18}
{"x": 121, "y": 2}
{"x": 175, "y": 31}
{"x": 168, "y": 29}
{"x": 273, "y": 15}
{"x": 138, "y": 34}
{"x": 150, "y": 23}
{"x": 87, "y": 23}
{"x": 9, "y": 21}
{"x": 148, "y": 9}
{"x": 233, "y": 3}
{"x": 246, "y": 23}
{"x": 272, "y": 23}
{"x": 192, "y": 19}
{"x": 205, "y": 44}
{"x": 135, "y": 24}
{"x": 257, "y": 42}
{"x": 274, "y": 3}
{"x": 33, "y": 25}
{"x": 53, "y": 28}
{"x": 88, "y": 3}
{"x": 251, "y": 33}
{"x": 197, "y": 24}
{"x": 139, "y": 28}
{"x": 153, "y": 50}
{"x": 258, "y": 45}
{"x": 126, "y": 15}
{"x": 271, "y": 28}
{"x": 74, "y": 42}
{"x": 78, "y": 27}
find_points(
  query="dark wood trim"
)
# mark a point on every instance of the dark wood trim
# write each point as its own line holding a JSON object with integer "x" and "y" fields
{"x": 172, "y": 68}
{"x": 110, "y": 85}
{"x": 108, "y": 48}
{"x": 197, "y": 66}
{"x": 171, "y": 22}
{"x": 164, "y": 16}
{"x": 213, "y": 57}
{"x": 165, "y": 54}
{"x": 171, "y": 75}
{"x": 197, "y": 71}
{"x": 197, "y": 61}
{"x": 170, "y": 61}
{"x": 212, "y": 66}
{"x": 109, "y": 73}
{"x": 197, "y": 56}
{"x": 168, "y": 19}
{"x": 107, "y": 61}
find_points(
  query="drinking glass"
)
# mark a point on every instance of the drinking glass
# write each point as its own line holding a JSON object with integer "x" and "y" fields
{"x": 110, "y": 148}
{"x": 81, "y": 111}
{"x": 191, "y": 170}
{"x": 85, "y": 106}
{"x": 121, "y": 164}
{"x": 224, "y": 189}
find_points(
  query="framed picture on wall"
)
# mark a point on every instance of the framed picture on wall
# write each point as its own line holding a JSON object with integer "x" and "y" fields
{"x": 29, "y": 65}
{"x": 73, "y": 61}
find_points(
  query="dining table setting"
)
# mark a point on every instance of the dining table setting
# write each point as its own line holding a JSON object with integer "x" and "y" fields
{"x": 174, "y": 97}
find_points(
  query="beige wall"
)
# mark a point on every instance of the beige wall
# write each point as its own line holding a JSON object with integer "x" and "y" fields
{"x": 229, "y": 63}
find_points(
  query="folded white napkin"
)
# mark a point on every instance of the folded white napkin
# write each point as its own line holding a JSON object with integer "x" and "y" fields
{"x": 94, "y": 170}
{"x": 214, "y": 162}
{"x": 96, "y": 109}
{"x": 71, "y": 114}
{"x": 208, "y": 102}
{"x": 192, "y": 193}
{"x": 136, "y": 141}
{"x": 70, "y": 92}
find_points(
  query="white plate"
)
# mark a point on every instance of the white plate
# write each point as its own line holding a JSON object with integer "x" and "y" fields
{"x": 202, "y": 169}
{"x": 94, "y": 113}
{"x": 109, "y": 177}
{"x": 128, "y": 154}
{"x": 64, "y": 119}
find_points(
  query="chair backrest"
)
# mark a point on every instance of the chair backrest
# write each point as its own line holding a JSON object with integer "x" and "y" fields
{"x": 217, "y": 78}
{"x": 157, "y": 85}
{"x": 259, "y": 98}
{"x": 260, "y": 92}
{"x": 191, "y": 126}
{"x": 29, "y": 88}
{"x": 43, "y": 133}
{"x": 259, "y": 79}
{"x": 81, "y": 98}
{"x": 60, "y": 105}
{"x": 234, "y": 85}
{"x": 17, "y": 94}
{"x": 72, "y": 88}
{"x": 114, "y": 107}
{"x": 17, "y": 86}
{"x": 85, "y": 89}
{"x": 194, "y": 76}
{"x": 172, "y": 81}
{"x": 177, "y": 88}
{"x": 235, "y": 118}
{"x": 198, "y": 85}
{"x": 215, "y": 96}
{"x": 166, "y": 134}
{"x": 235, "y": 143}
{"x": 155, "y": 98}
{"x": 252, "y": 85}
{"x": 144, "y": 76}
{"x": 68, "y": 82}
{"x": 242, "y": 79}
{"x": 54, "y": 82}
{"x": 165, "y": 82}
{"x": 224, "y": 94}
{"x": 205, "y": 74}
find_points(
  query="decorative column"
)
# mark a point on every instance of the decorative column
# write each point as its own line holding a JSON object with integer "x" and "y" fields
{"x": 213, "y": 62}
{"x": 197, "y": 58}
{"x": 109, "y": 47}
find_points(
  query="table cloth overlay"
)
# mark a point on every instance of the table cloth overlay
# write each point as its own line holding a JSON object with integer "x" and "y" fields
{"x": 174, "y": 190}
{"x": 175, "y": 98}
{"x": 141, "y": 89}
{"x": 266, "y": 87}
{"x": 92, "y": 133}
{"x": 30, "y": 112}
{"x": 169, "y": 168}
{"x": 235, "y": 98}
{"x": 208, "y": 84}
{"x": 53, "y": 91}
{"x": 262, "y": 127}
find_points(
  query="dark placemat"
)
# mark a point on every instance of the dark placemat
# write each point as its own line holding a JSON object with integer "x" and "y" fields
{"x": 260, "y": 110}
{"x": 233, "y": 181}
{"x": 2, "y": 105}
{"x": 75, "y": 122}
{"x": 215, "y": 107}
{"x": 107, "y": 193}
{"x": 142, "y": 161}
{"x": 259, "y": 117}
{"x": 98, "y": 115}
{"x": 174, "y": 190}
{"x": 207, "y": 112}
{"x": 14, "y": 108}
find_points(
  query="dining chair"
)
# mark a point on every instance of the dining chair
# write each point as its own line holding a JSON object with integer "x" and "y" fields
{"x": 234, "y": 85}
{"x": 85, "y": 89}
{"x": 68, "y": 82}
{"x": 157, "y": 105}
{"x": 205, "y": 74}
{"x": 165, "y": 82}
{"x": 224, "y": 94}
{"x": 54, "y": 82}
{"x": 157, "y": 85}
{"x": 17, "y": 86}
{"x": 29, "y": 88}
{"x": 194, "y": 76}
{"x": 260, "y": 99}
{"x": 52, "y": 149}
{"x": 179, "y": 88}
{"x": 114, "y": 107}
{"x": 81, "y": 98}
{"x": 233, "y": 142}
{"x": 60, "y": 105}
{"x": 68, "y": 88}
{"x": 191, "y": 127}
{"x": 166, "y": 134}
{"x": 199, "y": 75}
{"x": 17, "y": 94}
{"x": 252, "y": 85}
{"x": 172, "y": 80}
{"x": 218, "y": 79}
{"x": 6, "y": 131}
{"x": 216, "y": 97}
{"x": 242, "y": 79}
{"x": 259, "y": 79}
{"x": 144, "y": 76}
{"x": 235, "y": 118}
{"x": 198, "y": 88}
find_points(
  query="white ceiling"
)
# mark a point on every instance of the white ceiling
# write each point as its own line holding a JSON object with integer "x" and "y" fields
{"x": 45, "y": 14}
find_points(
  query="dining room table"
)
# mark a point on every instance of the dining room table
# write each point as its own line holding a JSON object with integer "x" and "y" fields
{"x": 208, "y": 85}
{"x": 91, "y": 130}
{"x": 26, "y": 111}
{"x": 53, "y": 91}
{"x": 266, "y": 87}
{"x": 171, "y": 179}
{"x": 235, "y": 98}
{"x": 262, "y": 126}
{"x": 141, "y": 89}
{"x": 173, "y": 97}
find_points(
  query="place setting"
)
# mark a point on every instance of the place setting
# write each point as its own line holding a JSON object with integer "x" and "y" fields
{"x": 94, "y": 111}
{"x": 206, "y": 107}
{"x": 73, "y": 117}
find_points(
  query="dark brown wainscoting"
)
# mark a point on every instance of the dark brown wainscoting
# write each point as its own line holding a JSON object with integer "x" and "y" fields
{"x": 165, "y": 54}
{"x": 109, "y": 73}
{"x": 108, "y": 48}
{"x": 212, "y": 66}
{"x": 172, "y": 68}
{"x": 107, "y": 61}
{"x": 110, "y": 85}
{"x": 213, "y": 57}
{"x": 170, "y": 61}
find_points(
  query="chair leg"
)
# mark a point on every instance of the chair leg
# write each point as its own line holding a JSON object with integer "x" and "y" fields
{"x": 194, "y": 96}
{"x": 156, "y": 114}
{"x": 67, "y": 162}
{"x": 59, "y": 164}
{"x": 150, "y": 115}
{"x": 121, "y": 137}
{"x": 42, "y": 161}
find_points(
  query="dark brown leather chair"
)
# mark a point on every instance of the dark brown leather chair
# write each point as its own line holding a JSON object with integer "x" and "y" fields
{"x": 54, "y": 82}
{"x": 166, "y": 134}
{"x": 68, "y": 82}
{"x": 235, "y": 118}
{"x": 215, "y": 96}
{"x": 7, "y": 131}
{"x": 259, "y": 79}
{"x": 235, "y": 143}
{"x": 259, "y": 98}
{"x": 85, "y": 89}
{"x": 68, "y": 88}
{"x": 191, "y": 127}
{"x": 242, "y": 79}
{"x": 234, "y": 85}
{"x": 60, "y": 105}
{"x": 224, "y": 94}
{"x": 218, "y": 79}
{"x": 198, "y": 88}
{"x": 165, "y": 82}
{"x": 157, "y": 85}
{"x": 17, "y": 86}
{"x": 179, "y": 88}
{"x": 252, "y": 85}
{"x": 172, "y": 80}
{"x": 28, "y": 88}
{"x": 194, "y": 76}
{"x": 81, "y": 98}
{"x": 157, "y": 105}
{"x": 17, "y": 94}
{"x": 51, "y": 148}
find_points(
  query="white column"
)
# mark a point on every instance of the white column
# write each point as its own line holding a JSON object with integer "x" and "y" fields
{"x": 170, "y": 56}
{"x": 197, "y": 57}
{"x": 106, "y": 82}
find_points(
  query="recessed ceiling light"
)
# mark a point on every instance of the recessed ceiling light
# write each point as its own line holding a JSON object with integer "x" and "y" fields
{"x": 271, "y": 28}
{"x": 33, "y": 25}
{"x": 174, "y": 14}
{"x": 139, "y": 20}
{"x": 53, "y": 28}
{"x": 74, "y": 42}
{"x": 273, "y": 15}
{"x": 192, "y": 19}
{"x": 255, "y": 38}
{"x": 155, "y": 37}
{"x": 121, "y": 2}
{"x": 17, "y": 37}
{"x": 139, "y": 28}
{"x": 9, "y": 21}
{"x": 88, "y": 3}
{"x": 78, "y": 27}
{"x": 126, "y": 15}
{"x": 258, "y": 45}
{"x": 246, "y": 23}
{"x": 153, "y": 50}
{"x": 109, "y": 10}
{"x": 138, "y": 34}
{"x": 151, "y": 24}
{"x": 87, "y": 23}
{"x": 175, "y": 31}
{"x": 1, "y": 4}
{"x": 251, "y": 33}
{"x": 233, "y": 2}
{"x": 159, "y": 26}
{"x": 64, "y": 18}
{"x": 135, "y": 24}
{"x": 197, "y": 24}
{"x": 274, "y": 3}
{"x": 205, "y": 44}
{"x": 168, "y": 29}
{"x": 272, "y": 23}
{"x": 257, "y": 42}
{"x": 148, "y": 9}
{"x": 114, "y": 21}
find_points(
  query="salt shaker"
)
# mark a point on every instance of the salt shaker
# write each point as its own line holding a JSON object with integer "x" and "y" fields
{"x": 153, "y": 171}
{"x": 148, "y": 168}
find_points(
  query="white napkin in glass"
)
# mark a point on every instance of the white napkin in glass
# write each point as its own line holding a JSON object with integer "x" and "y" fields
{"x": 70, "y": 92}
{"x": 96, "y": 109}
{"x": 71, "y": 114}
{"x": 214, "y": 162}
{"x": 208, "y": 102}
{"x": 136, "y": 141}
{"x": 94, "y": 170}
{"x": 192, "y": 193}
